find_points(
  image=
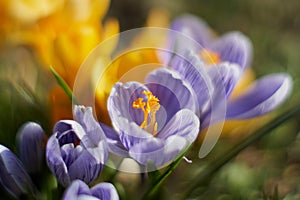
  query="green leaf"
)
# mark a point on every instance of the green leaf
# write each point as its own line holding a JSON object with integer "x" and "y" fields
{"x": 63, "y": 84}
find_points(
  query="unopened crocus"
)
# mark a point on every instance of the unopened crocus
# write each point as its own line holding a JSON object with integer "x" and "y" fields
{"x": 156, "y": 121}
{"x": 31, "y": 141}
{"x": 13, "y": 175}
{"x": 77, "y": 150}
{"x": 80, "y": 190}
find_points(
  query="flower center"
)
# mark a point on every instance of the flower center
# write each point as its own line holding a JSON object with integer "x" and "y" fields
{"x": 210, "y": 57}
{"x": 149, "y": 107}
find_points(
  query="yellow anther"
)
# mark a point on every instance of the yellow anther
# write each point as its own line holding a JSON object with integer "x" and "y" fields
{"x": 150, "y": 107}
{"x": 139, "y": 103}
{"x": 210, "y": 57}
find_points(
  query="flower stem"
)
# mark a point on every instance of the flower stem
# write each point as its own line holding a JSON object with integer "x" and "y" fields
{"x": 224, "y": 158}
{"x": 150, "y": 194}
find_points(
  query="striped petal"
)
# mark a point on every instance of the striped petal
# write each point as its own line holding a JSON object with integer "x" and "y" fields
{"x": 234, "y": 47}
{"x": 193, "y": 27}
{"x": 227, "y": 73}
{"x": 92, "y": 128}
{"x": 105, "y": 191}
{"x": 31, "y": 139}
{"x": 172, "y": 91}
{"x": 86, "y": 167}
{"x": 76, "y": 189}
{"x": 55, "y": 161}
{"x": 157, "y": 151}
{"x": 260, "y": 98}
{"x": 13, "y": 175}
{"x": 120, "y": 100}
{"x": 193, "y": 71}
{"x": 113, "y": 140}
{"x": 184, "y": 123}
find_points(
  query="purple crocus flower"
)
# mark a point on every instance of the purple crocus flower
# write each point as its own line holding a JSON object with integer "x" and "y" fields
{"x": 31, "y": 141}
{"x": 13, "y": 175}
{"x": 77, "y": 150}
{"x": 215, "y": 83}
{"x": 79, "y": 190}
{"x": 156, "y": 121}
{"x": 233, "y": 47}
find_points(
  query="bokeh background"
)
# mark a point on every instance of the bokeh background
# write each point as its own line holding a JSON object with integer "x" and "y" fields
{"x": 269, "y": 169}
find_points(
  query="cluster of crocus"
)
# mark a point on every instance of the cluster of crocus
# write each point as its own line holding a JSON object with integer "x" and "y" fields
{"x": 152, "y": 122}
{"x": 75, "y": 153}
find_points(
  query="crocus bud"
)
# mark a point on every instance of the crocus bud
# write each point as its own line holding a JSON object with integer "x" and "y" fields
{"x": 79, "y": 190}
{"x": 72, "y": 152}
{"x": 13, "y": 175}
{"x": 31, "y": 146}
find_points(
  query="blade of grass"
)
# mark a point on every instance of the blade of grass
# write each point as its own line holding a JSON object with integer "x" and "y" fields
{"x": 61, "y": 82}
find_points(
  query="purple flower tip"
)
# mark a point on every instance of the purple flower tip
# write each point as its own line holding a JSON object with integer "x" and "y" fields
{"x": 13, "y": 175}
{"x": 31, "y": 141}
{"x": 79, "y": 190}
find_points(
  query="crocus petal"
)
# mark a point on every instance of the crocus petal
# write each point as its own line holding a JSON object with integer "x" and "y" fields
{"x": 131, "y": 134}
{"x": 13, "y": 176}
{"x": 224, "y": 76}
{"x": 234, "y": 47}
{"x": 55, "y": 161}
{"x": 85, "y": 117}
{"x": 88, "y": 165}
{"x": 227, "y": 73}
{"x": 184, "y": 123}
{"x": 105, "y": 191}
{"x": 77, "y": 188}
{"x": 30, "y": 139}
{"x": 113, "y": 140}
{"x": 193, "y": 27}
{"x": 263, "y": 96}
{"x": 85, "y": 168}
{"x": 157, "y": 151}
{"x": 192, "y": 69}
{"x": 119, "y": 103}
{"x": 173, "y": 93}
{"x": 68, "y": 131}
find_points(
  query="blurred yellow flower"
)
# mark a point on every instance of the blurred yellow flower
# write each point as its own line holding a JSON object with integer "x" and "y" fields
{"x": 61, "y": 32}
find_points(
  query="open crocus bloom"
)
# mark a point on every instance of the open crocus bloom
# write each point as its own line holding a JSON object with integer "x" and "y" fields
{"x": 261, "y": 97}
{"x": 232, "y": 47}
{"x": 156, "y": 121}
{"x": 77, "y": 150}
{"x": 80, "y": 190}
